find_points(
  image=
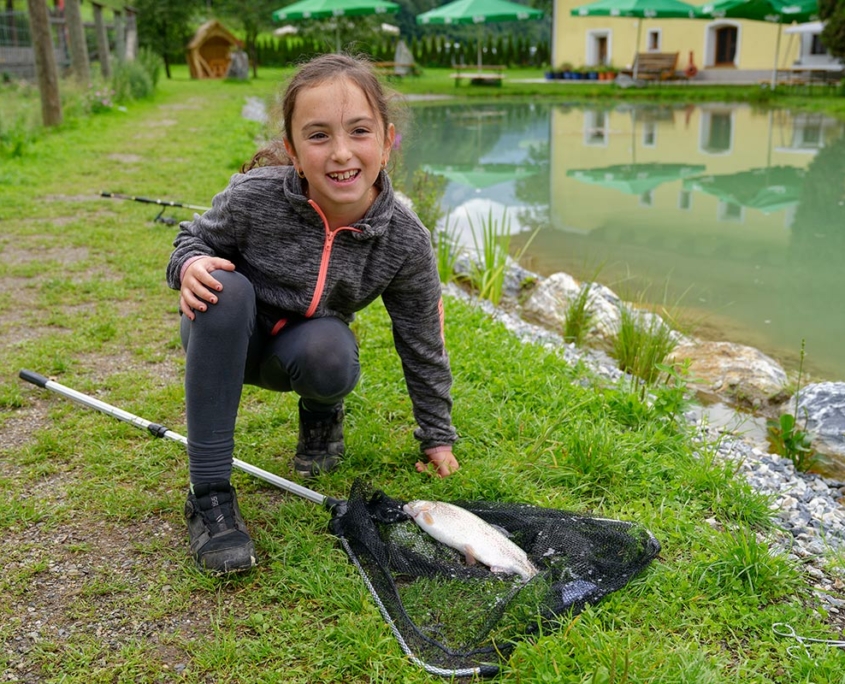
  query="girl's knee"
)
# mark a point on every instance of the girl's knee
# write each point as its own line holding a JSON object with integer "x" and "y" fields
{"x": 235, "y": 306}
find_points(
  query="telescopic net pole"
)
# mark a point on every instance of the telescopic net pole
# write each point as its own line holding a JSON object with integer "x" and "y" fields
{"x": 160, "y": 431}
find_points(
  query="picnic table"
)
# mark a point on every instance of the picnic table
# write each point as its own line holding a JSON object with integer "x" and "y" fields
{"x": 396, "y": 69}
{"x": 486, "y": 74}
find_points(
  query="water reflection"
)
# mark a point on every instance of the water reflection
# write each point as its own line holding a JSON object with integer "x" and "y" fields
{"x": 736, "y": 213}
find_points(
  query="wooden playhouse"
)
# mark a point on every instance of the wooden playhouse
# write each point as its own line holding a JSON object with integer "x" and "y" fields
{"x": 209, "y": 52}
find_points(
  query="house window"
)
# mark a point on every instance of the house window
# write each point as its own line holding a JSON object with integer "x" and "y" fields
{"x": 730, "y": 211}
{"x": 726, "y": 38}
{"x": 647, "y": 198}
{"x": 595, "y": 127}
{"x": 653, "y": 40}
{"x": 716, "y": 132}
{"x": 816, "y": 46}
{"x": 685, "y": 200}
{"x": 649, "y": 134}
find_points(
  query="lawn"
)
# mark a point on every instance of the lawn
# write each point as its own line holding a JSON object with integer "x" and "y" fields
{"x": 97, "y": 583}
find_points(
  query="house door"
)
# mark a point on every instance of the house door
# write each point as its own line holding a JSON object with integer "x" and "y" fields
{"x": 726, "y": 46}
{"x": 601, "y": 49}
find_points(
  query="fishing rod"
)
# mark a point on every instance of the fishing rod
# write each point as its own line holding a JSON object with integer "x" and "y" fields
{"x": 160, "y": 218}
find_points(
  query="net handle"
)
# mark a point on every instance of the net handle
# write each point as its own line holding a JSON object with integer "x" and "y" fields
{"x": 165, "y": 433}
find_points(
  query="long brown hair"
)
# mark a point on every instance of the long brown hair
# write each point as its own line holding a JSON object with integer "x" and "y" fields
{"x": 312, "y": 73}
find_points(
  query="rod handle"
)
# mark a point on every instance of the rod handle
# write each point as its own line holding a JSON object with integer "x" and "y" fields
{"x": 33, "y": 377}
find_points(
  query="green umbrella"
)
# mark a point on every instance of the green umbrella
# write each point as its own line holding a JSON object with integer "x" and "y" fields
{"x": 478, "y": 12}
{"x": 774, "y": 11}
{"x": 634, "y": 179}
{"x": 767, "y": 189}
{"x": 326, "y": 9}
{"x": 641, "y": 9}
{"x": 481, "y": 175}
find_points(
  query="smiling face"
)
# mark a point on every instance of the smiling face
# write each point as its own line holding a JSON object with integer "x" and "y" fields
{"x": 339, "y": 142}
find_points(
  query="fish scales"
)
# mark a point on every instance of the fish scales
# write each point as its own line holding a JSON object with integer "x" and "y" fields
{"x": 464, "y": 531}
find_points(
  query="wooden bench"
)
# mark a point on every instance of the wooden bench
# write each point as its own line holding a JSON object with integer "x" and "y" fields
{"x": 487, "y": 74}
{"x": 396, "y": 69}
{"x": 655, "y": 66}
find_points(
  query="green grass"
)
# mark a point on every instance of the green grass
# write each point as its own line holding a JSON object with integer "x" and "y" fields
{"x": 85, "y": 301}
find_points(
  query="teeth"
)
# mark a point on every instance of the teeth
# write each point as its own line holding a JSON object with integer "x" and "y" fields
{"x": 346, "y": 175}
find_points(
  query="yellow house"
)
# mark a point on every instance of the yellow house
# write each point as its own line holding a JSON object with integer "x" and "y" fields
{"x": 723, "y": 50}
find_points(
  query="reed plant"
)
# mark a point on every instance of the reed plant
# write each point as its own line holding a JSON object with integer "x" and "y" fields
{"x": 447, "y": 250}
{"x": 579, "y": 316}
{"x": 641, "y": 343}
{"x": 492, "y": 252}
{"x": 786, "y": 437}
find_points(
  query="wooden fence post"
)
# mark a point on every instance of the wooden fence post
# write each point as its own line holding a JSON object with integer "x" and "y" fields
{"x": 131, "y": 35}
{"x": 76, "y": 38}
{"x": 45, "y": 63}
{"x": 102, "y": 41}
{"x": 119, "y": 37}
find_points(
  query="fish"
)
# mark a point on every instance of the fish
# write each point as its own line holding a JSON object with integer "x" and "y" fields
{"x": 464, "y": 531}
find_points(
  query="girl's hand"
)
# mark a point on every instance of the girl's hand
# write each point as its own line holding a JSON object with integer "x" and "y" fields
{"x": 442, "y": 462}
{"x": 199, "y": 287}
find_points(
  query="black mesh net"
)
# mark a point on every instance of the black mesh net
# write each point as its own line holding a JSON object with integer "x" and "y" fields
{"x": 455, "y": 619}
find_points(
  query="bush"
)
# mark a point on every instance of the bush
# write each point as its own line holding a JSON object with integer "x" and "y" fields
{"x": 152, "y": 63}
{"x": 131, "y": 81}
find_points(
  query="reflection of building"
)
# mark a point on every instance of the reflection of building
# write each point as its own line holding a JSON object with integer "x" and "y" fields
{"x": 715, "y": 139}
{"x": 723, "y": 50}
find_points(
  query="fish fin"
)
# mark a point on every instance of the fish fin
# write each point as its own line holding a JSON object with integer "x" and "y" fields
{"x": 469, "y": 555}
{"x": 428, "y": 519}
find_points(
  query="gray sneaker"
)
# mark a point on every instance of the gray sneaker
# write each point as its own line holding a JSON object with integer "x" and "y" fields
{"x": 320, "y": 446}
{"x": 220, "y": 543}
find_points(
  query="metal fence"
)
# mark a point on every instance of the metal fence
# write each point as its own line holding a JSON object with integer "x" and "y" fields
{"x": 17, "y": 57}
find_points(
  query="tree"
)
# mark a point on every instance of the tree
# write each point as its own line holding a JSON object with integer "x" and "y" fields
{"x": 165, "y": 26}
{"x": 833, "y": 36}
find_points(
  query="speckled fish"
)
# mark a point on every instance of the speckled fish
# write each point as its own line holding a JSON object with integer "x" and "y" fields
{"x": 479, "y": 541}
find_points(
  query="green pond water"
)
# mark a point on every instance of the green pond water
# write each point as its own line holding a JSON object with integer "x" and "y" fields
{"x": 733, "y": 216}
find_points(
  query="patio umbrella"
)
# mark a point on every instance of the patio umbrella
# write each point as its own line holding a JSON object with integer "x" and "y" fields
{"x": 326, "y": 9}
{"x": 774, "y": 11}
{"x": 640, "y": 9}
{"x": 478, "y": 12}
{"x": 768, "y": 189}
{"x": 481, "y": 176}
{"x": 635, "y": 179}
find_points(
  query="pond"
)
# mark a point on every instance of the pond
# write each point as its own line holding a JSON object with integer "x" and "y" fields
{"x": 731, "y": 215}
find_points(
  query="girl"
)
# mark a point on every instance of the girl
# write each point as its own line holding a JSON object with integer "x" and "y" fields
{"x": 271, "y": 277}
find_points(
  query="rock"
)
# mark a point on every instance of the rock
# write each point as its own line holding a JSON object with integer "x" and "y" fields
{"x": 822, "y": 405}
{"x": 239, "y": 66}
{"x": 744, "y": 374}
{"x": 550, "y": 300}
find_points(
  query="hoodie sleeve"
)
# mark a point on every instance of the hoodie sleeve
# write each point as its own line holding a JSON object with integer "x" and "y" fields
{"x": 413, "y": 301}
{"x": 210, "y": 234}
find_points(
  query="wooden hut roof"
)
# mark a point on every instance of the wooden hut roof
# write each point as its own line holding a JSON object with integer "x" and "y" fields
{"x": 212, "y": 29}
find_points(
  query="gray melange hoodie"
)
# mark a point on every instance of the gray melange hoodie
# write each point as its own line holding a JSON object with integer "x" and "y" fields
{"x": 263, "y": 223}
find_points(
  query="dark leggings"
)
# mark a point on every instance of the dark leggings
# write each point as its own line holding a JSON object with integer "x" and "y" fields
{"x": 317, "y": 358}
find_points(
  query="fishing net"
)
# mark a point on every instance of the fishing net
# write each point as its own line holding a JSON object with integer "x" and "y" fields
{"x": 459, "y": 620}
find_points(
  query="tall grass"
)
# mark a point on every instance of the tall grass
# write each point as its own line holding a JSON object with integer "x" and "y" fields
{"x": 641, "y": 343}
{"x": 492, "y": 251}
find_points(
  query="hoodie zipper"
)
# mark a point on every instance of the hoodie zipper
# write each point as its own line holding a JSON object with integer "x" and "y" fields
{"x": 324, "y": 258}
